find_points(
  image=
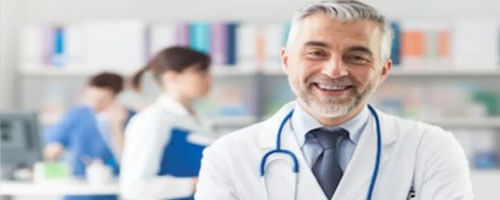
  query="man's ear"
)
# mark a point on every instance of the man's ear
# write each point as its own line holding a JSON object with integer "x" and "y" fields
{"x": 386, "y": 68}
{"x": 284, "y": 60}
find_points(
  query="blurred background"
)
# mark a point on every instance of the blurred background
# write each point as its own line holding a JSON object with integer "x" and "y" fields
{"x": 446, "y": 55}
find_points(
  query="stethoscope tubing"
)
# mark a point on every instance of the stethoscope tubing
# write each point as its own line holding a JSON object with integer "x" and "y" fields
{"x": 296, "y": 163}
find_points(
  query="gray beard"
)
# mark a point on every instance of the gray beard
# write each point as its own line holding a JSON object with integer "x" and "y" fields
{"x": 331, "y": 107}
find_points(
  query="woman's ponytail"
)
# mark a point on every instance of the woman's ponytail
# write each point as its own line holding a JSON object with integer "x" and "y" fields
{"x": 136, "y": 79}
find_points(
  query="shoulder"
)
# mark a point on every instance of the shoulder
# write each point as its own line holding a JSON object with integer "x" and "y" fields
{"x": 429, "y": 140}
{"x": 407, "y": 127}
{"x": 147, "y": 122}
{"x": 243, "y": 136}
{"x": 77, "y": 114}
{"x": 242, "y": 140}
{"x": 79, "y": 110}
{"x": 150, "y": 114}
{"x": 438, "y": 157}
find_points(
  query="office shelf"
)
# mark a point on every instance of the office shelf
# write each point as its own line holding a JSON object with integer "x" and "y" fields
{"x": 275, "y": 70}
{"x": 401, "y": 72}
{"x": 73, "y": 187}
{"x": 218, "y": 71}
{"x": 216, "y": 120}
{"x": 443, "y": 72}
{"x": 50, "y": 71}
{"x": 465, "y": 122}
{"x": 233, "y": 120}
{"x": 80, "y": 71}
{"x": 485, "y": 183}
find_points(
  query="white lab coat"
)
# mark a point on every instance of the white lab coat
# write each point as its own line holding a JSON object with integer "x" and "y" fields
{"x": 413, "y": 154}
{"x": 146, "y": 136}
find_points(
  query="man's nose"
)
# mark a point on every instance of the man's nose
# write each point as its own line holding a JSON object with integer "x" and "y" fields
{"x": 334, "y": 68}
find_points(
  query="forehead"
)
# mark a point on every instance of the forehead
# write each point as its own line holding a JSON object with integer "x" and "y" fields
{"x": 323, "y": 28}
{"x": 101, "y": 91}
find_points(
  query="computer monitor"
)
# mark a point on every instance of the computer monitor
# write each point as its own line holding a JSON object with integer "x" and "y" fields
{"x": 20, "y": 144}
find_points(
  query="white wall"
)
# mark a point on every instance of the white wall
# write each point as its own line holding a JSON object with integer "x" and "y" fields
{"x": 15, "y": 14}
{"x": 8, "y": 52}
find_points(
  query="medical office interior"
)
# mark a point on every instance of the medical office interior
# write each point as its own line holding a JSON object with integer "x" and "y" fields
{"x": 446, "y": 72}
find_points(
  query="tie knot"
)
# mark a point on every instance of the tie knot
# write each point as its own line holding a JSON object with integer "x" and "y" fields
{"x": 329, "y": 139}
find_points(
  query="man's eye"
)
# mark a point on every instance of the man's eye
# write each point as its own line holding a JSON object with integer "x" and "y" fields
{"x": 356, "y": 59}
{"x": 316, "y": 53}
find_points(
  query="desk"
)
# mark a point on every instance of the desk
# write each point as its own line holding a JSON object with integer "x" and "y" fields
{"x": 73, "y": 187}
{"x": 485, "y": 183}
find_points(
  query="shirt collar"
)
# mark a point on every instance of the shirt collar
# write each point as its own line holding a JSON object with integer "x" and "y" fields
{"x": 303, "y": 122}
{"x": 172, "y": 105}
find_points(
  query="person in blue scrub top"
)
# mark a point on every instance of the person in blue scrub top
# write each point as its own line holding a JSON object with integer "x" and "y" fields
{"x": 92, "y": 131}
{"x": 164, "y": 142}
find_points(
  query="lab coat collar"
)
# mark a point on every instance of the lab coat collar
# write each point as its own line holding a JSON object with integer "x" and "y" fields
{"x": 359, "y": 171}
{"x": 267, "y": 138}
{"x": 267, "y": 135}
{"x": 307, "y": 186}
{"x": 303, "y": 123}
{"x": 178, "y": 113}
{"x": 172, "y": 105}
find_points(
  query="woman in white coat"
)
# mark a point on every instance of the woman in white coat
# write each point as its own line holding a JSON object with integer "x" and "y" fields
{"x": 333, "y": 145}
{"x": 162, "y": 155}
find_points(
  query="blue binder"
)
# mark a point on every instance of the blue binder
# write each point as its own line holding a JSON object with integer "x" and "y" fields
{"x": 231, "y": 44}
{"x": 396, "y": 46}
{"x": 181, "y": 158}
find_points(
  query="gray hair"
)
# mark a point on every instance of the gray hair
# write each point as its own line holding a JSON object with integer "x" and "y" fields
{"x": 346, "y": 10}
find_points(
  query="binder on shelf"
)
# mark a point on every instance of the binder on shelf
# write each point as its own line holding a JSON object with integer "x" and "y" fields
{"x": 219, "y": 46}
{"x": 247, "y": 39}
{"x": 161, "y": 36}
{"x": 115, "y": 44}
{"x": 412, "y": 45}
{"x": 273, "y": 42}
{"x": 182, "y": 34}
{"x": 31, "y": 47}
{"x": 48, "y": 45}
{"x": 286, "y": 32}
{"x": 58, "y": 54}
{"x": 231, "y": 43}
{"x": 396, "y": 44}
{"x": 425, "y": 44}
{"x": 73, "y": 46}
{"x": 475, "y": 44}
{"x": 199, "y": 35}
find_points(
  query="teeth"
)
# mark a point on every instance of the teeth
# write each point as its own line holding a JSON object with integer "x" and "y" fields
{"x": 332, "y": 87}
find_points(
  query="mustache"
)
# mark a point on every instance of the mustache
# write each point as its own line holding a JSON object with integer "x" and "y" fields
{"x": 323, "y": 79}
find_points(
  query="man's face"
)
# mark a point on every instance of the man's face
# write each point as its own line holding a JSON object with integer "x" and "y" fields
{"x": 333, "y": 66}
{"x": 99, "y": 98}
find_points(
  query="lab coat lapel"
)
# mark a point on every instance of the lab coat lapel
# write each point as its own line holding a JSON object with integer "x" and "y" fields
{"x": 307, "y": 185}
{"x": 357, "y": 176}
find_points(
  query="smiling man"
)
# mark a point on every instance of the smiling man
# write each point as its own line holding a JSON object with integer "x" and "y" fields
{"x": 330, "y": 143}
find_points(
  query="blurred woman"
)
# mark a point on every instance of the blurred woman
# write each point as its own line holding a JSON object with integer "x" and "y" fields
{"x": 91, "y": 132}
{"x": 162, "y": 157}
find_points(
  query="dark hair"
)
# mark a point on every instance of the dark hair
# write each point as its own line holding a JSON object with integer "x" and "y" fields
{"x": 173, "y": 58}
{"x": 107, "y": 80}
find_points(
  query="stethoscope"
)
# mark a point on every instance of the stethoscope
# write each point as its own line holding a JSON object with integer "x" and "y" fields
{"x": 295, "y": 163}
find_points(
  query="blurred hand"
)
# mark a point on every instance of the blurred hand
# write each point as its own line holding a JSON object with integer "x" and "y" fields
{"x": 118, "y": 114}
{"x": 53, "y": 152}
{"x": 195, "y": 183}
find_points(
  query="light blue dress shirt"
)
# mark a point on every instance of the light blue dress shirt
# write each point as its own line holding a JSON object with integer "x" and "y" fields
{"x": 302, "y": 122}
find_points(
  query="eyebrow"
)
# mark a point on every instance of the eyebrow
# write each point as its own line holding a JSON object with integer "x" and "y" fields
{"x": 317, "y": 43}
{"x": 325, "y": 45}
{"x": 360, "y": 48}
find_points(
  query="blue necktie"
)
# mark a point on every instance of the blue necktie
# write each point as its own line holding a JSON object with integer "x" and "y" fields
{"x": 327, "y": 168}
